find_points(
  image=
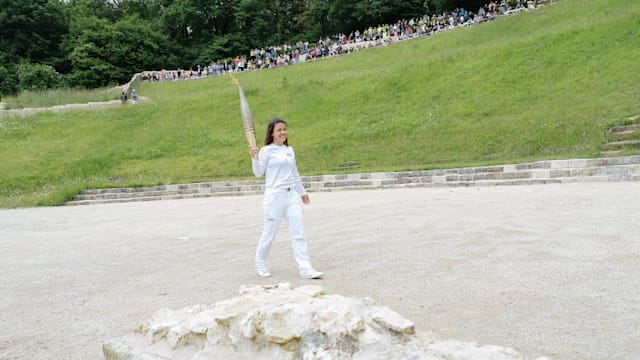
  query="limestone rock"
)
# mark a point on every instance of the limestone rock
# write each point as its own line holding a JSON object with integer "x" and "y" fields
{"x": 281, "y": 323}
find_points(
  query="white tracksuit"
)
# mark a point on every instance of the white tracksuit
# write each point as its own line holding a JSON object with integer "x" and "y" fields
{"x": 283, "y": 189}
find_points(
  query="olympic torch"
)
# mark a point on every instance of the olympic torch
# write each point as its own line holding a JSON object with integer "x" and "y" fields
{"x": 247, "y": 120}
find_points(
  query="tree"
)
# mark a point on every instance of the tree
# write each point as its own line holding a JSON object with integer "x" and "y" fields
{"x": 196, "y": 21}
{"x": 102, "y": 9}
{"x": 335, "y": 16}
{"x": 149, "y": 10}
{"x": 439, "y": 6}
{"x": 257, "y": 23}
{"x": 104, "y": 54}
{"x": 222, "y": 47}
{"x": 30, "y": 31}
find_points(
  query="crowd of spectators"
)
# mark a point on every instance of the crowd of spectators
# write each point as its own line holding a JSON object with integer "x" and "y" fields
{"x": 283, "y": 55}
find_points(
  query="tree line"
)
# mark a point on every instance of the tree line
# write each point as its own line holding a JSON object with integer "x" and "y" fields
{"x": 47, "y": 44}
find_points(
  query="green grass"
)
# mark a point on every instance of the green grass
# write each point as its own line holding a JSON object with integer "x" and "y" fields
{"x": 533, "y": 86}
{"x": 48, "y": 98}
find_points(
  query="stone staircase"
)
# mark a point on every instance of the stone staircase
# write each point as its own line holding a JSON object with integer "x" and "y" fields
{"x": 623, "y": 137}
{"x": 624, "y": 168}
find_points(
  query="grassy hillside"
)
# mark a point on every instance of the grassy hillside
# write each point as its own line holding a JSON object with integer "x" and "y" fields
{"x": 543, "y": 84}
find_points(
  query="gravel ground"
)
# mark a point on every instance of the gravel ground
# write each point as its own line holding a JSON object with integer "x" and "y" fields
{"x": 549, "y": 270}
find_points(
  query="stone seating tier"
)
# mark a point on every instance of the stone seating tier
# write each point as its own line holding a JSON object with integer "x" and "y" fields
{"x": 625, "y": 168}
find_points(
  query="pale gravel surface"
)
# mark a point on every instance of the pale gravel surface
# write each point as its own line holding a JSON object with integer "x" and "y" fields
{"x": 548, "y": 270}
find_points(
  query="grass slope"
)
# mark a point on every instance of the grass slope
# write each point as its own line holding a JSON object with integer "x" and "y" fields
{"x": 544, "y": 84}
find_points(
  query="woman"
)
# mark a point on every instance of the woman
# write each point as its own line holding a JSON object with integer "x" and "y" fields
{"x": 282, "y": 187}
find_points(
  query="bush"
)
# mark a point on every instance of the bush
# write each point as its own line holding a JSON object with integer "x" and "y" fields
{"x": 38, "y": 77}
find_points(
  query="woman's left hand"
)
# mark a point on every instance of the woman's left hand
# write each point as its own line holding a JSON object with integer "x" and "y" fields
{"x": 305, "y": 199}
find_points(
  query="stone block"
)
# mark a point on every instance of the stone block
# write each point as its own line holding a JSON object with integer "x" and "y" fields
{"x": 577, "y": 163}
{"x": 559, "y": 173}
{"x": 540, "y": 174}
{"x": 391, "y": 320}
{"x": 507, "y": 176}
{"x": 491, "y": 169}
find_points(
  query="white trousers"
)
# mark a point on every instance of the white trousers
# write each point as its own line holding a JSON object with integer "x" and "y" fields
{"x": 276, "y": 206}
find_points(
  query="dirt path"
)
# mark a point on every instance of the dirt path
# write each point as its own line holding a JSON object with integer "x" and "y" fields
{"x": 548, "y": 270}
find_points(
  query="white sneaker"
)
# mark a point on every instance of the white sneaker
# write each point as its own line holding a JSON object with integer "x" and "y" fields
{"x": 311, "y": 274}
{"x": 263, "y": 271}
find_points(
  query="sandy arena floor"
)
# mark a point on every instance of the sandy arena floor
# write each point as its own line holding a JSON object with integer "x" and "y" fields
{"x": 548, "y": 270}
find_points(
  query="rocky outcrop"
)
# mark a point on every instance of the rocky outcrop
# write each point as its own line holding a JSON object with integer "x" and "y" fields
{"x": 280, "y": 322}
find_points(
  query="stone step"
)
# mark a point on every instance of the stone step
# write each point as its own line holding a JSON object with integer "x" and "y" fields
{"x": 612, "y": 173}
{"x": 621, "y": 133}
{"x": 137, "y": 194}
{"x": 626, "y": 168}
{"x": 171, "y": 189}
{"x": 622, "y": 144}
{"x": 203, "y": 186}
{"x": 353, "y": 186}
{"x": 103, "y": 200}
{"x": 625, "y": 129}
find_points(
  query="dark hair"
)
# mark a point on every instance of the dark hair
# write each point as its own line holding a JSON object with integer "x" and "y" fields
{"x": 268, "y": 139}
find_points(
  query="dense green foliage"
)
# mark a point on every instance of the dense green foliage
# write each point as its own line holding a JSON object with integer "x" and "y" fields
{"x": 96, "y": 43}
{"x": 537, "y": 85}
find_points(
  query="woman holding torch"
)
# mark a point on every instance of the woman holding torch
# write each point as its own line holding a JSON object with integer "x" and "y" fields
{"x": 283, "y": 192}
